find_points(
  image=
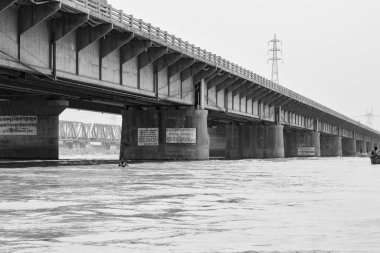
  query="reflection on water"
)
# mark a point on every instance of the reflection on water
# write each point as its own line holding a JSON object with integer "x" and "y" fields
{"x": 285, "y": 205}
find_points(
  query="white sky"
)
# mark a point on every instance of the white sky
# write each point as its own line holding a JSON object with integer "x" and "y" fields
{"x": 329, "y": 47}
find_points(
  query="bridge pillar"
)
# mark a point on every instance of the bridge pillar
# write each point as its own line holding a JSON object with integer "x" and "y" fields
{"x": 217, "y": 141}
{"x": 255, "y": 141}
{"x": 233, "y": 142}
{"x": 302, "y": 143}
{"x": 361, "y": 147}
{"x": 29, "y": 129}
{"x": 369, "y": 146}
{"x": 164, "y": 135}
{"x": 331, "y": 145}
{"x": 348, "y": 147}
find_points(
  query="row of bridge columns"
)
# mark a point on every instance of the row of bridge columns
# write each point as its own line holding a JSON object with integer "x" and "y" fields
{"x": 155, "y": 134}
{"x": 232, "y": 141}
{"x": 273, "y": 141}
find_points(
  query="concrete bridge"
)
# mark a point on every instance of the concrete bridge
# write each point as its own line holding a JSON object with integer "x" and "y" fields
{"x": 177, "y": 100}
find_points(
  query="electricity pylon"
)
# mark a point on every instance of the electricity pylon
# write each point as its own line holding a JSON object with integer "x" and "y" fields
{"x": 274, "y": 51}
{"x": 369, "y": 116}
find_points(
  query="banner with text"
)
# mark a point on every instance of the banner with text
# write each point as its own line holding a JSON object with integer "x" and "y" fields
{"x": 147, "y": 137}
{"x": 306, "y": 151}
{"x": 181, "y": 135}
{"x": 18, "y": 125}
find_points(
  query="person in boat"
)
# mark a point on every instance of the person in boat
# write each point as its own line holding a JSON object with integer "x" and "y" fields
{"x": 374, "y": 151}
{"x": 122, "y": 163}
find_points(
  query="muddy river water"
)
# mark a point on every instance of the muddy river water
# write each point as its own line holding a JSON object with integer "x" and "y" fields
{"x": 282, "y": 205}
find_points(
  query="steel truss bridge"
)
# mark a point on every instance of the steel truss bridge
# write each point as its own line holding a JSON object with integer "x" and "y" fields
{"x": 81, "y": 134}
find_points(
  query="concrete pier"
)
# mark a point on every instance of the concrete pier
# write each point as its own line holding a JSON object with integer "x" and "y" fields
{"x": 348, "y": 147}
{"x": 369, "y": 146}
{"x": 302, "y": 143}
{"x": 164, "y": 135}
{"x": 255, "y": 141}
{"x": 331, "y": 145}
{"x": 361, "y": 147}
{"x": 217, "y": 141}
{"x": 29, "y": 129}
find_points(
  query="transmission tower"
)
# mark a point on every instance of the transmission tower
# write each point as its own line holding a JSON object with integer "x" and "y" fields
{"x": 274, "y": 51}
{"x": 369, "y": 116}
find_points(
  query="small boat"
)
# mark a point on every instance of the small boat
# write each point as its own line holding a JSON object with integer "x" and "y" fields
{"x": 123, "y": 164}
{"x": 375, "y": 159}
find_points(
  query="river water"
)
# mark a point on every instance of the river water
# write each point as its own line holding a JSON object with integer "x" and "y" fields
{"x": 282, "y": 205}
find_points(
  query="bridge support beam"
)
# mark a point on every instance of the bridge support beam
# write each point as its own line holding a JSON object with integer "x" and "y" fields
{"x": 331, "y": 145}
{"x": 361, "y": 147}
{"x": 302, "y": 143}
{"x": 164, "y": 135}
{"x": 255, "y": 141}
{"x": 217, "y": 141}
{"x": 348, "y": 147}
{"x": 35, "y": 134}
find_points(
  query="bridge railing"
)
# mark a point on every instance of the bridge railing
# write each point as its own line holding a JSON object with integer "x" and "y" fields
{"x": 133, "y": 23}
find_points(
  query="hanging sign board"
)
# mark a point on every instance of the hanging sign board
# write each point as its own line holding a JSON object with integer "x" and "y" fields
{"x": 18, "y": 125}
{"x": 147, "y": 137}
{"x": 306, "y": 151}
{"x": 181, "y": 135}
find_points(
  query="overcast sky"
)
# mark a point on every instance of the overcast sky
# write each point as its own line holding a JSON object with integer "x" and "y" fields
{"x": 330, "y": 47}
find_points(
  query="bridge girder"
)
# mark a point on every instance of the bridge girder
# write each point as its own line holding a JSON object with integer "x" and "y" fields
{"x": 216, "y": 80}
{"x": 250, "y": 90}
{"x": 179, "y": 66}
{"x": 243, "y": 87}
{"x": 213, "y": 75}
{"x": 273, "y": 100}
{"x": 225, "y": 84}
{"x": 67, "y": 24}
{"x": 264, "y": 99}
{"x": 258, "y": 95}
{"x": 90, "y": 34}
{"x": 204, "y": 74}
{"x": 133, "y": 49}
{"x": 113, "y": 41}
{"x": 192, "y": 70}
{"x": 235, "y": 85}
{"x": 166, "y": 60}
{"x": 5, "y": 4}
{"x": 29, "y": 16}
{"x": 149, "y": 56}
